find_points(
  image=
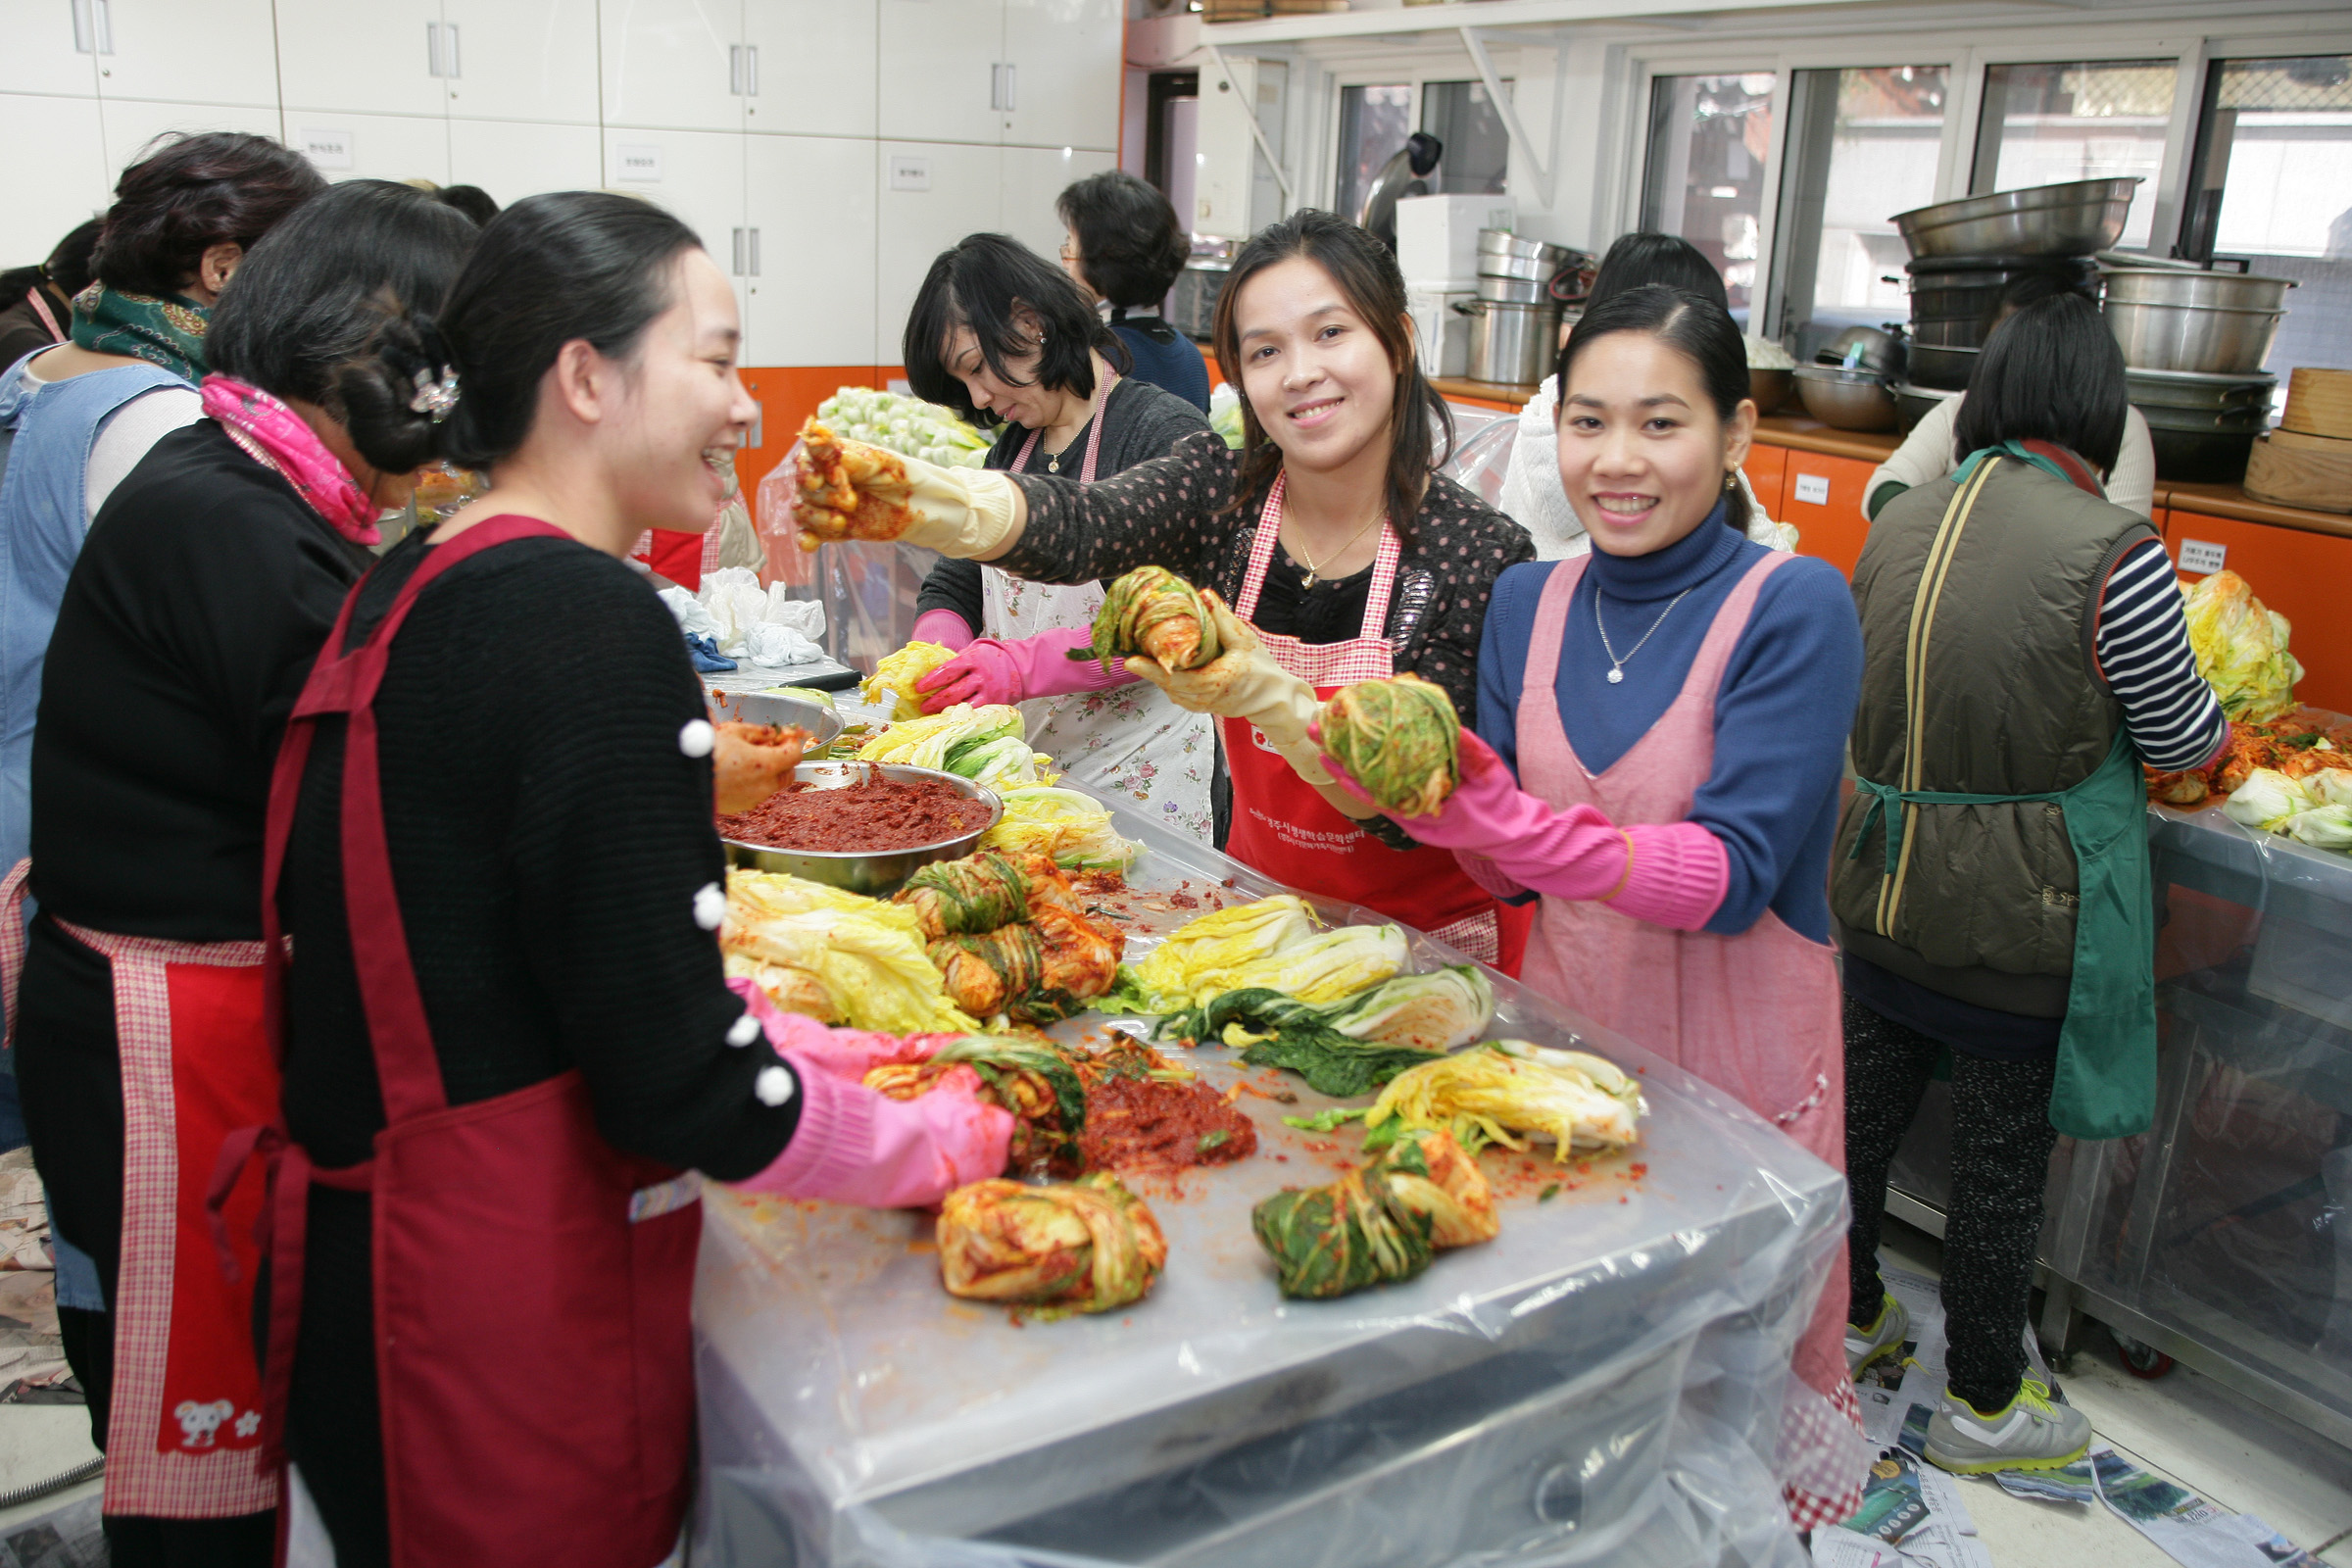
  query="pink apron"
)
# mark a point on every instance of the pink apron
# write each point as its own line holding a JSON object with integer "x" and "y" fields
{"x": 1756, "y": 1015}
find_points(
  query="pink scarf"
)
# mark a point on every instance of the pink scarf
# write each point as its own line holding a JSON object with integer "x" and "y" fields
{"x": 277, "y": 438}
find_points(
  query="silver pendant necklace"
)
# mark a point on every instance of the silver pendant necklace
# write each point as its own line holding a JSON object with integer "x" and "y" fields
{"x": 1617, "y": 664}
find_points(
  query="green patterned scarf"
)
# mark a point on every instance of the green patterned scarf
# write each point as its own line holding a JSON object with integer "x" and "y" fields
{"x": 168, "y": 332}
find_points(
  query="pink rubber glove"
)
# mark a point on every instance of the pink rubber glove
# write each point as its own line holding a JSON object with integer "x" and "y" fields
{"x": 991, "y": 670}
{"x": 846, "y": 1054}
{"x": 1672, "y": 874}
{"x": 942, "y": 626}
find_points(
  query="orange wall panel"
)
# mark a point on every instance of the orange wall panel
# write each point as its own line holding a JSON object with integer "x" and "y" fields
{"x": 2301, "y": 576}
{"x": 1767, "y": 468}
{"x": 1832, "y": 528}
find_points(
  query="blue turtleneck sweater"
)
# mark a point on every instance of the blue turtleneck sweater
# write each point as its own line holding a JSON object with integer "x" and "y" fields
{"x": 1782, "y": 713}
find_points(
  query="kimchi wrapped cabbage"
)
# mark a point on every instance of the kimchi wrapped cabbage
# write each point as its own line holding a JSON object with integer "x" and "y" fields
{"x": 982, "y": 892}
{"x": 1400, "y": 739}
{"x": 1088, "y": 1245}
{"x": 1153, "y": 613}
{"x": 1505, "y": 1089}
{"x": 1034, "y": 1082}
{"x": 1378, "y": 1225}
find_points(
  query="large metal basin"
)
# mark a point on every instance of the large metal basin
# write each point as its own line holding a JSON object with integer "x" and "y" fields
{"x": 2073, "y": 219}
{"x": 2208, "y": 323}
{"x": 767, "y": 707}
{"x": 1848, "y": 400}
{"x": 875, "y": 873}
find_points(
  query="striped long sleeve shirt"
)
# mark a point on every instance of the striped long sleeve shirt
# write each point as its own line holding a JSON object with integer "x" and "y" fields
{"x": 2142, "y": 645}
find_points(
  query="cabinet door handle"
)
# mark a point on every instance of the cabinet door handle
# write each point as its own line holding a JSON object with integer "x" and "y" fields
{"x": 739, "y": 248}
{"x": 755, "y": 253}
{"x": 1012, "y": 82}
{"x": 996, "y": 84}
{"x": 93, "y": 28}
{"x": 735, "y": 69}
{"x": 449, "y": 34}
{"x": 751, "y": 71}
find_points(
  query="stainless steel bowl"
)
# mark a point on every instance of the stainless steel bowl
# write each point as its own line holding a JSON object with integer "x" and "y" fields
{"x": 1850, "y": 400}
{"x": 2173, "y": 285}
{"x": 1502, "y": 242}
{"x": 767, "y": 707}
{"x": 2180, "y": 389}
{"x": 1513, "y": 290}
{"x": 2209, "y": 323}
{"x": 1863, "y": 348}
{"x": 1769, "y": 387}
{"x": 1913, "y": 403}
{"x": 875, "y": 873}
{"x": 1941, "y": 367}
{"x": 2073, "y": 219}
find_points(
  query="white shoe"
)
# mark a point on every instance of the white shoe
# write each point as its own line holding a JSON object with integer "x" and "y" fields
{"x": 2030, "y": 1432}
{"x": 1881, "y": 1339}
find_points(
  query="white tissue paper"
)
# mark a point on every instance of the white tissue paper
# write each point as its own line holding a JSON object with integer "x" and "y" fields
{"x": 693, "y": 618}
{"x": 749, "y": 621}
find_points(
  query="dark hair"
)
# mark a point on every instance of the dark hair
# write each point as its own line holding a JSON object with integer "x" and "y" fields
{"x": 1697, "y": 329}
{"x": 190, "y": 193}
{"x": 314, "y": 295}
{"x": 2039, "y": 282}
{"x": 471, "y": 200}
{"x": 1366, "y": 273}
{"x": 1130, "y": 246}
{"x": 2050, "y": 372}
{"x": 1638, "y": 260}
{"x": 977, "y": 283}
{"x": 549, "y": 271}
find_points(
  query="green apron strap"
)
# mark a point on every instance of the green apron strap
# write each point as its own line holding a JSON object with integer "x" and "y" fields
{"x": 1881, "y": 795}
{"x": 2106, "y": 1080}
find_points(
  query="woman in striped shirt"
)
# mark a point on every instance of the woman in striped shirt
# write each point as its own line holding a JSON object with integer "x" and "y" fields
{"x": 2024, "y": 654}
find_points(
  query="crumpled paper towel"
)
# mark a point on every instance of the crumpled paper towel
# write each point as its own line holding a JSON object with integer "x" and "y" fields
{"x": 748, "y": 622}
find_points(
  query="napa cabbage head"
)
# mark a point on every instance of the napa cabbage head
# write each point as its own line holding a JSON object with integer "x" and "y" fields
{"x": 1328, "y": 968}
{"x": 1199, "y": 959}
{"x": 2241, "y": 648}
{"x": 1435, "y": 1011}
{"x": 2323, "y": 827}
{"x": 894, "y": 677}
{"x": 925, "y": 740}
{"x": 2267, "y": 800}
{"x": 1072, "y": 828}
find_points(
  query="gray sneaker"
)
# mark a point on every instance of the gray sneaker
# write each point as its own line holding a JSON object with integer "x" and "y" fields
{"x": 1881, "y": 1339}
{"x": 2029, "y": 1434}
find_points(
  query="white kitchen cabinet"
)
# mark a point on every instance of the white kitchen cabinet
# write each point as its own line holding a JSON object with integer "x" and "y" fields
{"x": 513, "y": 158}
{"x": 45, "y": 55}
{"x": 319, "y": 43}
{"x": 68, "y": 184}
{"x": 941, "y": 61}
{"x": 349, "y": 146}
{"x": 812, "y": 66}
{"x": 698, "y": 175}
{"x": 673, "y": 63}
{"x": 812, "y": 208}
{"x": 1065, "y": 60}
{"x": 1033, "y": 177}
{"x": 129, "y": 127}
{"x": 962, "y": 194}
{"x": 529, "y": 59}
{"x": 219, "y": 52}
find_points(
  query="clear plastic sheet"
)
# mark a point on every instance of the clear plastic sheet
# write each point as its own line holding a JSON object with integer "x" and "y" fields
{"x": 869, "y": 588}
{"x": 1602, "y": 1382}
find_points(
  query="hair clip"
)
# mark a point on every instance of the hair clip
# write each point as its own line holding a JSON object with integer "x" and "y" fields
{"x": 434, "y": 399}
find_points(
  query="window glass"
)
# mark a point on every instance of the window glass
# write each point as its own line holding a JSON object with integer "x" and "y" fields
{"x": 1478, "y": 150}
{"x": 2275, "y": 189}
{"x": 1862, "y": 146}
{"x": 1705, "y": 180}
{"x": 1374, "y": 123}
{"x": 2044, "y": 125}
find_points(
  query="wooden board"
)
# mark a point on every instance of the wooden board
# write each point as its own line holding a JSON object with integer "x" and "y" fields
{"x": 2318, "y": 401}
{"x": 2294, "y": 475}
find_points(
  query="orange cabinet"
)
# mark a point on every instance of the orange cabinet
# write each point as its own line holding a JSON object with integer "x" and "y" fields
{"x": 1766, "y": 465}
{"x": 1823, "y": 497}
{"x": 2301, "y": 576}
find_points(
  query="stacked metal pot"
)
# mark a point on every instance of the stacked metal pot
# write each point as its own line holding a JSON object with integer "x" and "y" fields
{"x": 1523, "y": 284}
{"x": 2193, "y": 343}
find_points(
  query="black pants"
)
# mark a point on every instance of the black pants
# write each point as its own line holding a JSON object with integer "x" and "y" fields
{"x": 2002, "y": 1143}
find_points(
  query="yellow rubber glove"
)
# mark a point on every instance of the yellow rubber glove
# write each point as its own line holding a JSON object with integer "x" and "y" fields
{"x": 849, "y": 490}
{"x": 1243, "y": 682}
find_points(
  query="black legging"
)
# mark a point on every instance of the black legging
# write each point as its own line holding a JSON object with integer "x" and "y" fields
{"x": 2002, "y": 1143}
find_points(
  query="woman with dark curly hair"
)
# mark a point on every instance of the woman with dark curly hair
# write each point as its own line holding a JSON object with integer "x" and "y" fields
{"x": 1125, "y": 246}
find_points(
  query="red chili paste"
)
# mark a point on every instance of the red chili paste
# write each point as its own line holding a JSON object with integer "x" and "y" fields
{"x": 873, "y": 814}
{"x": 1145, "y": 1124}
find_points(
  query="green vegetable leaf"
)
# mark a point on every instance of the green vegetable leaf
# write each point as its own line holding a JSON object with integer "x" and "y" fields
{"x": 1548, "y": 1193}
{"x": 1326, "y": 1121}
{"x": 1217, "y": 1137}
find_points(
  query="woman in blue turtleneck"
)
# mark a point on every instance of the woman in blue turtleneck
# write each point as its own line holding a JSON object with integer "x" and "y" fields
{"x": 1674, "y": 706}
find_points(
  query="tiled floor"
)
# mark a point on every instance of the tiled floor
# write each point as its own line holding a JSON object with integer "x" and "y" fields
{"x": 2184, "y": 1425}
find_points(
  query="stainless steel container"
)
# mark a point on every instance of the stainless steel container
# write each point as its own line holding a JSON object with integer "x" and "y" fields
{"x": 2179, "y": 389}
{"x": 1768, "y": 386}
{"x": 765, "y": 708}
{"x": 1941, "y": 367}
{"x": 1863, "y": 348}
{"x": 874, "y": 872}
{"x": 2208, "y": 323}
{"x": 1512, "y": 345}
{"x": 1514, "y": 290}
{"x": 2073, "y": 219}
{"x": 1848, "y": 400}
{"x": 1913, "y": 403}
{"x": 1526, "y": 266}
{"x": 1502, "y": 242}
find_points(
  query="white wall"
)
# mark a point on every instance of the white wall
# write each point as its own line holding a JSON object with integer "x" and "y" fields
{"x": 773, "y": 126}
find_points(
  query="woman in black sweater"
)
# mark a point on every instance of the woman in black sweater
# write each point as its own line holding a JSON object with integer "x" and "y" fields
{"x": 195, "y": 609}
{"x": 500, "y": 1064}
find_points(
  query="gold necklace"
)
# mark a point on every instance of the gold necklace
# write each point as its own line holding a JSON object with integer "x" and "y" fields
{"x": 1314, "y": 571}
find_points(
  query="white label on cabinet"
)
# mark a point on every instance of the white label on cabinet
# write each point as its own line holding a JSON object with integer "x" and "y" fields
{"x": 328, "y": 149}
{"x": 637, "y": 163}
{"x": 2201, "y": 558}
{"x": 909, "y": 173}
{"x": 1813, "y": 488}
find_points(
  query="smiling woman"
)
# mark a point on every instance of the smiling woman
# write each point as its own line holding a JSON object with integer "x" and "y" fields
{"x": 1343, "y": 554}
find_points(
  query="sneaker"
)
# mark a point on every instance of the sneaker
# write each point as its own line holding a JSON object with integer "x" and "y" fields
{"x": 2030, "y": 1432}
{"x": 1881, "y": 1339}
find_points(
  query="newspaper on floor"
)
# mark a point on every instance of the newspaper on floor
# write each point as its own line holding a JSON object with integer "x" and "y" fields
{"x": 2187, "y": 1528}
{"x": 1913, "y": 1376}
{"x": 1911, "y": 1515}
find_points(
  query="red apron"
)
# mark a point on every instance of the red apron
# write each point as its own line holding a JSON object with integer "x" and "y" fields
{"x": 1285, "y": 830}
{"x": 532, "y": 1285}
{"x": 184, "y": 1436}
{"x": 1757, "y": 1014}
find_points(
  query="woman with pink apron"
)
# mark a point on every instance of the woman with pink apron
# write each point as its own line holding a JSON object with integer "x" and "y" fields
{"x": 1675, "y": 705}
{"x": 1344, "y": 551}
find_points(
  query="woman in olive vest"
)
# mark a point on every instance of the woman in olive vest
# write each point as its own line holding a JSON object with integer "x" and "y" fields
{"x": 2024, "y": 654}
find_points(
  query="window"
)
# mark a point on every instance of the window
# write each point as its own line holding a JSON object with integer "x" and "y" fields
{"x": 1708, "y": 136}
{"x": 1478, "y": 150}
{"x": 1374, "y": 123}
{"x": 1862, "y": 146}
{"x": 2044, "y": 125}
{"x": 2272, "y": 184}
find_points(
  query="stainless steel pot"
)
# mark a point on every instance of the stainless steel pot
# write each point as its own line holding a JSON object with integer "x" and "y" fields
{"x": 1502, "y": 242}
{"x": 1513, "y": 290}
{"x": 1913, "y": 403}
{"x": 1943, "y": 368}
{"x": 1512, "y": 345}
{"x": 2172, "y": 285}
{"x": 1850, "y": 400}
{"x": 2179, "y": 389}
{"x": 1863, "y": 348}
{"x": 2073, "y": 219}
{"x": 1526, "y": 266}
{"x": 2204, "y": 339}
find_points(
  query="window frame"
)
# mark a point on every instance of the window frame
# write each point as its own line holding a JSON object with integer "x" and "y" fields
{"x": 1373, "y": 71}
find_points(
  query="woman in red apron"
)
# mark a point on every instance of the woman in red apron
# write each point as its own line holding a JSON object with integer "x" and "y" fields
{"x": 508, "y": 1046}
{"x": 1329, "y": 532}
{"x": 1675, "y": 705}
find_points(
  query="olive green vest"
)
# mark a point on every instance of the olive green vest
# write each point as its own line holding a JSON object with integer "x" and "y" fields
{"x": 1978, "y": 676}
